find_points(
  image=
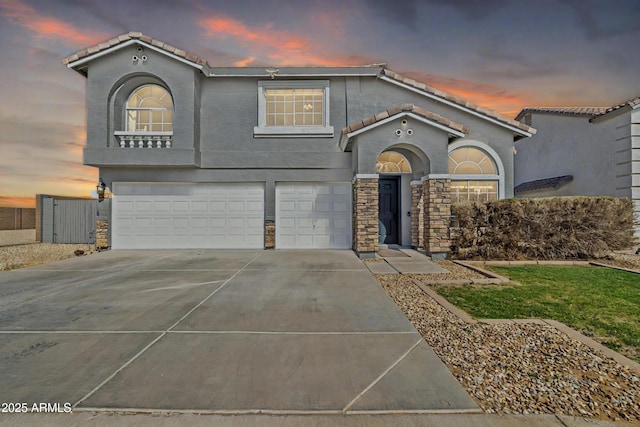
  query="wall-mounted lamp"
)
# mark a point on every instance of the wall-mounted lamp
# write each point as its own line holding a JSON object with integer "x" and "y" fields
{"x": 101, "y": 187}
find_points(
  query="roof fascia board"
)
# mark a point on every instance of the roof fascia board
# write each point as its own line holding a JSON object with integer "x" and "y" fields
{"x": 457, "y": 106}
{"x": 112, "y": 49}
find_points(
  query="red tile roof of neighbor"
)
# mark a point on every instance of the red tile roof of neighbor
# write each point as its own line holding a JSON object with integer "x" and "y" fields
{"x": 592, "y": 112}
{"x": 629, "y": 103}
{"x": 578, "y": 111}
{"x": 405, "y": 108}
{"x": 200, "y": 62}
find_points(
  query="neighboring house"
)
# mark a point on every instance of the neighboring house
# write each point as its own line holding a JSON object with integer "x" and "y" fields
{"x": 581, "y": 151}
{"x": 197, "y": 156}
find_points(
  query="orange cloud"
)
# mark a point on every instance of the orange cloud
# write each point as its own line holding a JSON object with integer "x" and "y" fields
{"x": 281, "y": 47}
{"x": 47, "y": 26}
{"x": 220, "y": 25}
{"x": 244, "y": 62}
{"x": 485, "y": 95}
{"x": 17, "y": 202}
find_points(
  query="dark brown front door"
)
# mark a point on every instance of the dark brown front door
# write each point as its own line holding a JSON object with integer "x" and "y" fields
{"x": 388, "y": 209}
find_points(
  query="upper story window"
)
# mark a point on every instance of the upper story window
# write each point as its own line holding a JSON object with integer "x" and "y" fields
{"x": 293, "y": 108}
{"x": 149, "y": 109}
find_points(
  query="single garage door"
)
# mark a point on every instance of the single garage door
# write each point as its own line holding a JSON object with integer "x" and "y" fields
{"x": 185, "y": 215}
{"x": 313, "y": 215}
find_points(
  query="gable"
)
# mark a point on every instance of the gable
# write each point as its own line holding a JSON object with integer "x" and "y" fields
{"x": 454, "y": 129}
{"x": 79, "y": 61}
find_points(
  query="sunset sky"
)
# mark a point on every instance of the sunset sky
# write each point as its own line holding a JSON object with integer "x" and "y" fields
{"x": 501, "y": 54}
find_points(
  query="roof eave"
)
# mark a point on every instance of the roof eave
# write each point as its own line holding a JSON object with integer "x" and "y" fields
{"x": 613, "y": 113}
{"x": 80, "y": 65}
{"x": 345, "y": 139}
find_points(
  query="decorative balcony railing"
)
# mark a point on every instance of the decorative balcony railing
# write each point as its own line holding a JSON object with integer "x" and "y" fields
{"x": 144, "y": 139}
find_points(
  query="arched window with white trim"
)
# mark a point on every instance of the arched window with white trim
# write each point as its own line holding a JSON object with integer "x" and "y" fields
{"x": 149, "y": 109}
{"x": 392, "y": 162}
{"x": 474, "y": 175}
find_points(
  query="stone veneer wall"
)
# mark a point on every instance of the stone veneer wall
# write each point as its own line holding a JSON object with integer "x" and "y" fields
{"x": 102, "y": 234}
{"x": 417, "y": 216}
{"x": 365, "y": 215}
{"x": 437, "y": 208}
{"x": 269, "y": 234}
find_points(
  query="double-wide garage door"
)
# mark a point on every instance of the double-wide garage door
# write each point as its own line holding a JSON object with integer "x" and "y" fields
{"x": 176, "y": 215}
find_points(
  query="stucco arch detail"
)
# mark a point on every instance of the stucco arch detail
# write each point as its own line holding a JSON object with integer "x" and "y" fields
{"x": 123, "y": 88}
{"x": 417, "y": 158}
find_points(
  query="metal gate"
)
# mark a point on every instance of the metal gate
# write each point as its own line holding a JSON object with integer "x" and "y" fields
{"x": 69, "y": 221}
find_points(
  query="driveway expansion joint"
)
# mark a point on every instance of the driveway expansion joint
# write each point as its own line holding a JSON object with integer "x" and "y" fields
{"x": 382, "y": 375}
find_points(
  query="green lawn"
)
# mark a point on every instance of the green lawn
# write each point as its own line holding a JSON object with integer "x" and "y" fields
{"x": 601, "y": 302}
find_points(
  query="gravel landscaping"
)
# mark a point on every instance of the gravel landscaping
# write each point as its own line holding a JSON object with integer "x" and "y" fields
{"x": 20, "y": 256}
{"x": 520, "y": 368}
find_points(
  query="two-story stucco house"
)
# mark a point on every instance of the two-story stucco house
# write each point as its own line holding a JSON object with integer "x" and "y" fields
{"x": 581, "y": 151}
{"x": 198, "y": 156}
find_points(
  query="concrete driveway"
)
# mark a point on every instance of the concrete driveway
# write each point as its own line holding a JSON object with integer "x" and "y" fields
{"x": 212, "y": 331}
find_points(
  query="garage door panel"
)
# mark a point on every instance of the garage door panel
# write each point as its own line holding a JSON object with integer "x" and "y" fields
{"x": 313, "y": 215}
{"x": 200, "y": 206}
{"x": 175, "y": 215}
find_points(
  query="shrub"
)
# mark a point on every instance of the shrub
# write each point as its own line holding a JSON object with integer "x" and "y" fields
{"x": 549, "y": 228}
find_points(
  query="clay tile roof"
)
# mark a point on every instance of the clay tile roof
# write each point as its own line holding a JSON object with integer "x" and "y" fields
{"x": 130, "y": 36}
{"x": 404, "y": 108}
{"x": 457, "y": 100}
{"x": 573, "y": 111}
{"x": 540, "y": 184}
{"x": 629, "y": 103}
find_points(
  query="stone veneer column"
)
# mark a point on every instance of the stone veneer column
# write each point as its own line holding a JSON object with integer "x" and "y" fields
{"x": 102, "y": 234}
{"x": 269, "y": 234}
{"x": 102, "y": 224}
{"x": 437, "y": 216}
{"x": 417, "y": 215}
{"x": 365, "y": 215}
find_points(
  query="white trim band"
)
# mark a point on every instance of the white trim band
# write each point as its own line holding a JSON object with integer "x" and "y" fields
{"x": 435, "y": 176}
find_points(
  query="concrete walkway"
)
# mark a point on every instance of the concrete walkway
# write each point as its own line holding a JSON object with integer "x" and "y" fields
{"x": 403, "y": 261}
{"x": 215, "y": 332}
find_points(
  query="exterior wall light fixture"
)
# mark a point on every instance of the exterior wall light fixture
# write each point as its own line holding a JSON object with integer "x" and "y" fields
{"x": 101, "y": 187}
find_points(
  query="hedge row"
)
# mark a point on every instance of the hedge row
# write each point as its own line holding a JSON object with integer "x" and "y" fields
{"x": 549, "y": 228}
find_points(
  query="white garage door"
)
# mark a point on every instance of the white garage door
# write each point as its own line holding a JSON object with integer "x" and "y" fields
{"x": 177, "y": 215}
{"x": 313, "y": 215}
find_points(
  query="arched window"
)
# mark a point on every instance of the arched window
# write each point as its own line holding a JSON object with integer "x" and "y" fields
{"x": 150, "y": 109}
{"x": 390, "y": 162}
{"x": 474, "y": 175}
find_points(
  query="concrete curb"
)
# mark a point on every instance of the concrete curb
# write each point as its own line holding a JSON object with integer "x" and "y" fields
{"x": 599, "y": 264}
{"x": 487, "y": 273}
{"x": 474, "y": 265}
{"x": 567, "y": 330}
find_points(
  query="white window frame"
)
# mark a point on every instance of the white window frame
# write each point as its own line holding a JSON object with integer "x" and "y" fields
{"x": 262, "y": 130}
{"x": 492, "y": 154}
{"x": 128, "y": 131}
